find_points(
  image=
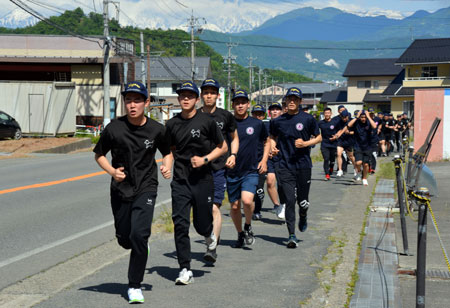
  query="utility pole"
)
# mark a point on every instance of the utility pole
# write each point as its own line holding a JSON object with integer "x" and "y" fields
{"x": 106, "y": 47}
{"x": 229, "y": 60}
{"x": 265, "y": 90}
{"x": 259, "y": 85}
{"x": 250, "y": 74}
{"x": 148, "y": 71}
{"x": 193, "y": 24}
{"x": 143, "y": 74}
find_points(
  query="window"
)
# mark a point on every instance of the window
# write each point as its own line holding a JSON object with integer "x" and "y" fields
{"x": 376, "y": 84}
{"x": 175, "y": 86}
{"x": 363, "y": 84}
{"x": 429, "y": 71}
{"x": 153, "y": 87}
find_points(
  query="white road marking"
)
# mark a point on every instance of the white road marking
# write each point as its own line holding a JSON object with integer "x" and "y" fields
{"x": 64, "y": 240}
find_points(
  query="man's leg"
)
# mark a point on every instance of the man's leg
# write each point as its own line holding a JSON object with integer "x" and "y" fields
{"x": 141, "y": 223}
{"x": 271, "y": 182}
{"x": 326, "y": 160}
{"x": 287, "y": 181}
{"x": 220, "y": 185}
{"x": 181, "y": 210}
{"x": 259, "y": 196}
{"x": 340, "y": 150}
{"x": 303, "y": 182}
{"x": 332, "y": 158}
{"x": 122, "y": 220}
{"x": 203, "y": 194}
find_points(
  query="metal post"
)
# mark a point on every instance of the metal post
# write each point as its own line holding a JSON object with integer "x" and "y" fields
{"x": 143, "y": 75}
{"x": 410, "y": 165}
{"x": 192, "y": 47}
{"x": 401, "y": 202}
{"x": 422, "y": 199}
{"x": 106, "y": 98}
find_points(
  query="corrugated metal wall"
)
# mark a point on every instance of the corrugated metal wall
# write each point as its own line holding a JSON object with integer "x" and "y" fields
{"x": 41, "y": 108}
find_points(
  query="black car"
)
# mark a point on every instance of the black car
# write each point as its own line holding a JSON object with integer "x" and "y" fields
{"x": 9, "y": 128}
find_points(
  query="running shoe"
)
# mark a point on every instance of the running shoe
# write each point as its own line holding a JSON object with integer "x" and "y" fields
{"x": 331, "y": 170}
{"x": 249, "y": 237}
{"x": 372, "y": 171}
{"x": 357, "y": 178}
{"x": 210, "y": 256}
{"x": 275, "y": 208}
{"x": 135, "y": 296}
{"x": 240, "y": 241}
{"x": 339, "y": 173}
{"x": 365, "y": 183}
{"x": 303, "y": 223}
{"x": 355, "y": 173}
{"x": 281, "y": 211}
{"x": 256, "y": 216}
{"x": 327, "y": 177}
{"x": 211, "y": 241}
{"x": 185, "y": 277}
{"x": 292, "y": 241}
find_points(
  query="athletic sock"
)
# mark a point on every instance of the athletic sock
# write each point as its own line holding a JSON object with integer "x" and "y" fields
{"x": 247, "y": 227}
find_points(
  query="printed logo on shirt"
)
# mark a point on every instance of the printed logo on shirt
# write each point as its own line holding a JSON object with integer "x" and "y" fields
{"x": 209, "y": 199}
{"x": 250, "y": 130}
{"x": 149, "y": 144}
{"x": 220, "y": 124}
{"x": 149, "y": 202}
{"x": 299, "y": 126}
{"x": 331, "y": 126}
{"x": 195, "y": 133}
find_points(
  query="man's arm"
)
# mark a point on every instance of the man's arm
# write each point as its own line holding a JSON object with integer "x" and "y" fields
{"x": 118, "y": 174}
{"x": 372, "y": 122}
{"x": 299, "y": 143}
{"x": 262, "y": 165}
{"x": 231, "y": 161}
{"x": 166, "y": 166}
{"x": 218, "y": 151}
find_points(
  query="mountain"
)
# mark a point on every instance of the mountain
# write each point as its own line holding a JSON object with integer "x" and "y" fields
{"x": 17, "y": 19}
{"x": 331, "y": 24}
{"x": 323, "y": 60}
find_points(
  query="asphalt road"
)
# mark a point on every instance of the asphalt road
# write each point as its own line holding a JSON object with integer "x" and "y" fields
{"x": 43, "y": 226}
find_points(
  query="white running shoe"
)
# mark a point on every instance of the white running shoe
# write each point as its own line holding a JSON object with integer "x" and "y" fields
{"x": 358, "y": 178}
{"x": 365, "y": 183}
{"x": 340, "y": 173}
{"x": 135, "y": 296}
{"x": 185, "y": 277}
{"x": 281, "y": 211}
{"x": 211, "y": 241}
{"x": 355, "y": 172}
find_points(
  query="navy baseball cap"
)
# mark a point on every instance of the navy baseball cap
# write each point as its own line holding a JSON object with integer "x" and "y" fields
{"x": 275, "y": 105}
{"x": 355, "y": 112}
{"x": 345, "y": 113}
{"x": 240, "y": 93}
{"x": 371, "y": 109}
{"x": 136, "y": 87}
{"x": 341, "y": 106}
{"x": 259, "y": 108}
{"x": 294, "y": 91}
{"x": 188, "y": 86}
{"x": 210, "y": 83}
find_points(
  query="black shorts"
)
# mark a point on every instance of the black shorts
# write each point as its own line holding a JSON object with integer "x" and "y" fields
{"x": 387, "y": 137}
{"x": 363, "y": 156}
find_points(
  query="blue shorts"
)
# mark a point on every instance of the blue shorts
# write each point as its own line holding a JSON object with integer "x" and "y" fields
{"x": 220, "y": 184}
{"x": 270, "y": 166}
{"x": 235, "y": 185}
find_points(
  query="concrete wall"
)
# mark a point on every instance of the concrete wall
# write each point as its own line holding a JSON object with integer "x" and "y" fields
{"x": 429, "y": 104}
{"x": 41, "y": 108}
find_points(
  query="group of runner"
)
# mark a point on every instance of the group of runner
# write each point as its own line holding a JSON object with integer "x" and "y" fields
{"x": 207, "y": 151}
{"x": 359, "y": 140}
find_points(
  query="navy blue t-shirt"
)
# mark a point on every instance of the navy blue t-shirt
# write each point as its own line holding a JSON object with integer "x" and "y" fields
{"x": 363, "y": 135}
{"x": 375, "y": 137}
{"x": 288, "y": 128}
{"x": 328, "y": 129}
{"x": 346, "y": 140}
{"x": 252, "y": 133}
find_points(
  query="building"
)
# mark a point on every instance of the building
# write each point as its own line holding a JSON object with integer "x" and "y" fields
{"x": 425, "y": 64}
{"x": 367, "y": 80}
{"x": 333, "y": 99}
{"x": 43, "y": 74}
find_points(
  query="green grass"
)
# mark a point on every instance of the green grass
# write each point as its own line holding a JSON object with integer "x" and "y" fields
{"x": 386, "y": 171}
{"x": 317, "y": 158}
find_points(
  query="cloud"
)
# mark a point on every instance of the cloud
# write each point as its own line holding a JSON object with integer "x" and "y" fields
{"x": 310, "y": 58}
{"x": 331, "y": 62}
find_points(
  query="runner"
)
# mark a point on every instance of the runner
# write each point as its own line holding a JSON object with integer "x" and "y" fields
{"x": 328, "y": 130}
{"x": 345, "y": 143}
{"x": 195, "y": 141}
{"x": 225, "y": 121}
{"x": 259, "y": 112}
{"x": 242, "y": 180}
{"x": 387, "y": 129}
{"x": 294, "y": 133}
{"x": 274, "y": 188}
{"x": 375, "y": 141}
{"x": 133, "y": 140}
{"x": 363, "y": 126}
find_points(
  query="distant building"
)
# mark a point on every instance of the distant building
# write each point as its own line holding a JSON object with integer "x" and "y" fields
{"x": 334, "y": 98}
{"x": 367, "y": 79}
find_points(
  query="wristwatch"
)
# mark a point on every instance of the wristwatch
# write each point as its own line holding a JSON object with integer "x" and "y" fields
{"x": 206, "y": 160}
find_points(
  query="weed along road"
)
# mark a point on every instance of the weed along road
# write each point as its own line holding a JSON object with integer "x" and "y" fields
{"x": 53, "y": 207}
{"x": 57, "y": 239}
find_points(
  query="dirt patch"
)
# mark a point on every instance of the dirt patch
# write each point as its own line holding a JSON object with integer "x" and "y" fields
{"x": 25, "y": 146}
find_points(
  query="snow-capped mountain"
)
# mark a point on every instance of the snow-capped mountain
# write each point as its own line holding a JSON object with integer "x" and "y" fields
{"x": 17, "y": 19}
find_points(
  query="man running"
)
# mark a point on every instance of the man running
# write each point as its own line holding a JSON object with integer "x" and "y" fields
{"x": 133, "y": 140}
{"x": 345, "y": 142}
{"x": 363, "y": 126}
{"x": 294, "y": 133}
{"x": 225, "y": 121}
{"x": 328, "y": 130}
{"x": 242, "y": 180}
{"x": 195, "y": 141}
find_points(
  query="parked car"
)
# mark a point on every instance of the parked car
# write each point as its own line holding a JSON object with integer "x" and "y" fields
{"x": 9, "y": 128}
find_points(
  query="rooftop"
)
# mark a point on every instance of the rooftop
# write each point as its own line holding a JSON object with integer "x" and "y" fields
{"x": 435, "y": 50}
{"x": 371, "y": 67}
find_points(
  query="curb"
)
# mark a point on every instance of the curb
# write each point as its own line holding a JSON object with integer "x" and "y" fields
{"x": 64, "y": 149}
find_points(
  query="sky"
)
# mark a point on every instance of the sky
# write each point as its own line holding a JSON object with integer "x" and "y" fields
{"x": 223, "y": 15}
